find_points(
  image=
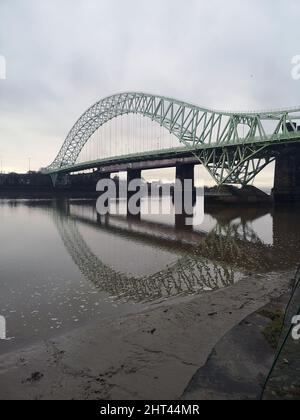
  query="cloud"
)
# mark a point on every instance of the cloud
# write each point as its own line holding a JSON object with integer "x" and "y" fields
{"x": 62, "y": 56}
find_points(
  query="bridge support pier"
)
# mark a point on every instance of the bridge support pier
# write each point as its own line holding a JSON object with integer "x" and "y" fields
{"x": 185, "y": 172}
{"x": 133, "y": 174}
{"x": 287, "y": 177}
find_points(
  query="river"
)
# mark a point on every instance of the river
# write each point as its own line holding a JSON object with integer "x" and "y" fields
{"x": 62, "y": 266}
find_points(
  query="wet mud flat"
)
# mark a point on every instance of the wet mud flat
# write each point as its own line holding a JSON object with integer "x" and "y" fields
{"x": 150, "y": 355}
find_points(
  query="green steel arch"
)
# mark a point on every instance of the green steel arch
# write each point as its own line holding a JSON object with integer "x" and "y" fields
{"x": 229, "y": 144}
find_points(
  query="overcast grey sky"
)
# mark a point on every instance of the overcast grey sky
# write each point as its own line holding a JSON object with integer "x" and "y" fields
{"x": 64, "y": 55}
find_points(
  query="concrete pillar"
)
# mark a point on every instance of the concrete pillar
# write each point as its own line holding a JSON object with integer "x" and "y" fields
{"x": 131, "y": 175}
{"x": 287, "y": 177}
{"x": 185, "y": 172}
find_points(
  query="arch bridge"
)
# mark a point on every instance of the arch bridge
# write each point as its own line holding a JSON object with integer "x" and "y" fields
{"x": 233, "y": 146}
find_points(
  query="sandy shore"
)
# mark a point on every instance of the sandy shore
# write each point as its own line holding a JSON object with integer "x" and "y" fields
{"x": 151, "y": 355}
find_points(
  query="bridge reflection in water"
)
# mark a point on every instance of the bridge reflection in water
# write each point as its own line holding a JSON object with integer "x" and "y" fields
{"x": 228, "y": 251}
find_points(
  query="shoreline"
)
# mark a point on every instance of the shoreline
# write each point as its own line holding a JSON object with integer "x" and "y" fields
{"x": 149, "y": 355}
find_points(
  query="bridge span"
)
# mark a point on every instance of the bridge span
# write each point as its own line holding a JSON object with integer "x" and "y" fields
{"x": 233, "y": 146}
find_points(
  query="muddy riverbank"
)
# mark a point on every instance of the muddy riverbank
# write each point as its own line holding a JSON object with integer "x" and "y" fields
{"x": 150, "y": 355}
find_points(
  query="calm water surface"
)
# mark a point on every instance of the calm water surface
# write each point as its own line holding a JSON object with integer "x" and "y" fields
{"x": 61, "y": 266}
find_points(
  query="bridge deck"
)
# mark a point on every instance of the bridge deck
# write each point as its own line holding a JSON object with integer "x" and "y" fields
{"x": 167, "y": 157}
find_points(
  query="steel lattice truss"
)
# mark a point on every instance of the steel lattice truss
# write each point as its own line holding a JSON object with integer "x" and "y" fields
{"x": 232, "y": 146}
